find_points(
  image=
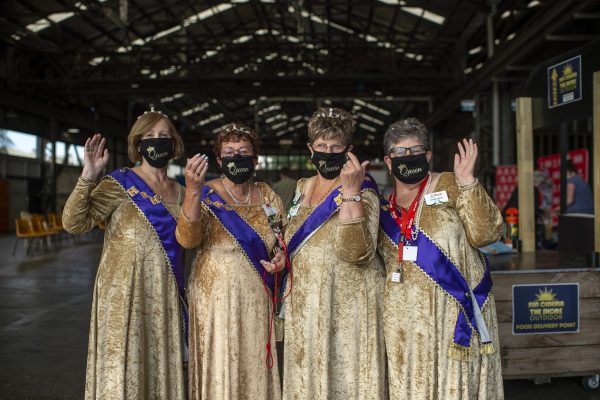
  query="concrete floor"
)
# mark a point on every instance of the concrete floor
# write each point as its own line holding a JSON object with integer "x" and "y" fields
{"x": 44, "y": 315}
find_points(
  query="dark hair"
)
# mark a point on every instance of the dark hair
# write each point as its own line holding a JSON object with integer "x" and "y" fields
{"x": 571, "y": 167}
{"x": 284, "y": 171}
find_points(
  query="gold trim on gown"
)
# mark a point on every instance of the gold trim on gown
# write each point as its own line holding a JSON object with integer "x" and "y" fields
{"x": 419, "y": 318}
{"x": 229, "y": 309}
{"x": 135, "y": 339}
{"x": 334, "y": 345}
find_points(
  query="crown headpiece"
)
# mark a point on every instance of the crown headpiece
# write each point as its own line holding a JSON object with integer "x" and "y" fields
{"x": 235, "y": 126}
{"x": 332, "y": 113}
{"x": 152, "y": 110}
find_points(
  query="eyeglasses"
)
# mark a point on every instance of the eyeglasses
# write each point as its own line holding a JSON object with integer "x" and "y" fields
{"x": 322, "y": 147}
{"x": 231, "y": 152}
{"x": 402, "y": 151}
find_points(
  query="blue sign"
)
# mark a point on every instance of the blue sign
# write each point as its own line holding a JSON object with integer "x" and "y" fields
{"x": 564, "y": 82}
{"x": 552, "y": 308}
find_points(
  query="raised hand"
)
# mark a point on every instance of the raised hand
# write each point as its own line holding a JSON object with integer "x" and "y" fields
{"x": 195, "y": 173}
{"x": 95, "y": 157}
{"x": 353, "y": 175}
{"x": 464, "y": 162}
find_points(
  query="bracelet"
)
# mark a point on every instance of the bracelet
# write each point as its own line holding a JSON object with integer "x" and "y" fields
{"x": 469, "y": 186}
{"x": 356, "y": 197}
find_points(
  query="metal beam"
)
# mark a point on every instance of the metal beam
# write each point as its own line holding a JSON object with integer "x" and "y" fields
{"x": 217, "y": 85}
{"x": 556, "y": 16}
{"x": 84, "y": 120}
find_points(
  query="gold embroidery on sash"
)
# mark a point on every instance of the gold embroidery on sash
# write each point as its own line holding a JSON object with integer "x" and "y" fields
{"x": 132, "y": 191}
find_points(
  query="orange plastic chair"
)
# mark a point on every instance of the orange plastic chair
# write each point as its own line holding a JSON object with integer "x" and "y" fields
{"x": 53, "y": 223}
{"x": 24, "y": 230}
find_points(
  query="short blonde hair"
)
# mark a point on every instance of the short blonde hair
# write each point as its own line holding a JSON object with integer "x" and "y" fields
{"x": 331, "y": 123}
{"x": 143, "y": 124}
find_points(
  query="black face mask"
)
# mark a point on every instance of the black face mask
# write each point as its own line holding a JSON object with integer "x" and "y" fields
{"x": 157, "y": 151}
{"x": 410, "y": 169}
{"x": 238, "y": 169}
{"x": 329, "y": 165}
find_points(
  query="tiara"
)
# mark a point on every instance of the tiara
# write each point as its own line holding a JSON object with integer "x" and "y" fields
{"x": 332, "y": 113}
{"x": 240, "y": 128}
{"x": 152, "y": 110}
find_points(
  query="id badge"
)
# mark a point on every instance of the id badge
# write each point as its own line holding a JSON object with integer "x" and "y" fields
{"x": 293, "y": 211}
{"x": 295, "y": 204}
{"x": 395, "y": 277}
{"x": 433, "y": 199}
{"x": 409, "y": 253}
{"x": 269, "y": 210}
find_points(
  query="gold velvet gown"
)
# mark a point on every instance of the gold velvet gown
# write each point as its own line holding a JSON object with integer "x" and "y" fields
{"x": 419, "y": 319}
{"x": 229, "y": 309}
{"x": 334, "y": 345}
{"x": 135, "y": 340}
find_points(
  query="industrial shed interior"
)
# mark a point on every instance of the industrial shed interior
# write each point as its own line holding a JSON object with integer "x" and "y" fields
{"x": 466, "y": 68}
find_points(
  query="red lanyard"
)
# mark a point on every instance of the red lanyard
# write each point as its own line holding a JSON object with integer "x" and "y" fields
{"x": 276, "y": 227}
{"x": 407, "y": 217}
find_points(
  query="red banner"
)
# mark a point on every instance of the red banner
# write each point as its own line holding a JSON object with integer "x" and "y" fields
{"x": 506, "y": 181}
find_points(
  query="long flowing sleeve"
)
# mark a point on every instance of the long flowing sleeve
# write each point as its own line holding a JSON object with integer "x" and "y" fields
{"x": 480, "y": 216}
{"x": 191, "y": 233}
{"x": 89, "y": 204}
{"x": 356, "y": 240}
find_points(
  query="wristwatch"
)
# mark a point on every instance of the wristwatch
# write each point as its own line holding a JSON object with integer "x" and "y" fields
{"x": 356, "y": 197}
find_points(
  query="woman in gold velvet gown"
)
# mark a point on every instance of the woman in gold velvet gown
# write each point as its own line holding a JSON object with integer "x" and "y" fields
{"x": 136, "y": 337}
{"x": 334, "y": 346}
{"x": 429, "y": 358}
{"x": 230, "y": 306}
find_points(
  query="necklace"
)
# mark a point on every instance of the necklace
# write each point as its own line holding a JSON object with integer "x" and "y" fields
{"x": 324, "y": 195}
{"x": 420, "y": 209}
{"x": 153, "y": 186}
{"x": 235, "y": 199}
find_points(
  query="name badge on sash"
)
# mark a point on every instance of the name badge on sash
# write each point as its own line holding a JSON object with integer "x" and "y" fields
{"x": 409, "y": 253}
{"x": 433, "y": 199}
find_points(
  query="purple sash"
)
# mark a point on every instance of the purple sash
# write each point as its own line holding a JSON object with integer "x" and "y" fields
{"x": 162, "y": 222}
{"x": 244, "y": 235}
{"x": 432, "y": 261}
{"x": 321, "y": 214}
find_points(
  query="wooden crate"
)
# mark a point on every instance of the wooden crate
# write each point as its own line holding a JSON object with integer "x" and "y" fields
{"x": 550, "y": 355}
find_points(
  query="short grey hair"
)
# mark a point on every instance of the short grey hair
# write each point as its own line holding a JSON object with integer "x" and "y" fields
{"x": 405, "y": 129}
